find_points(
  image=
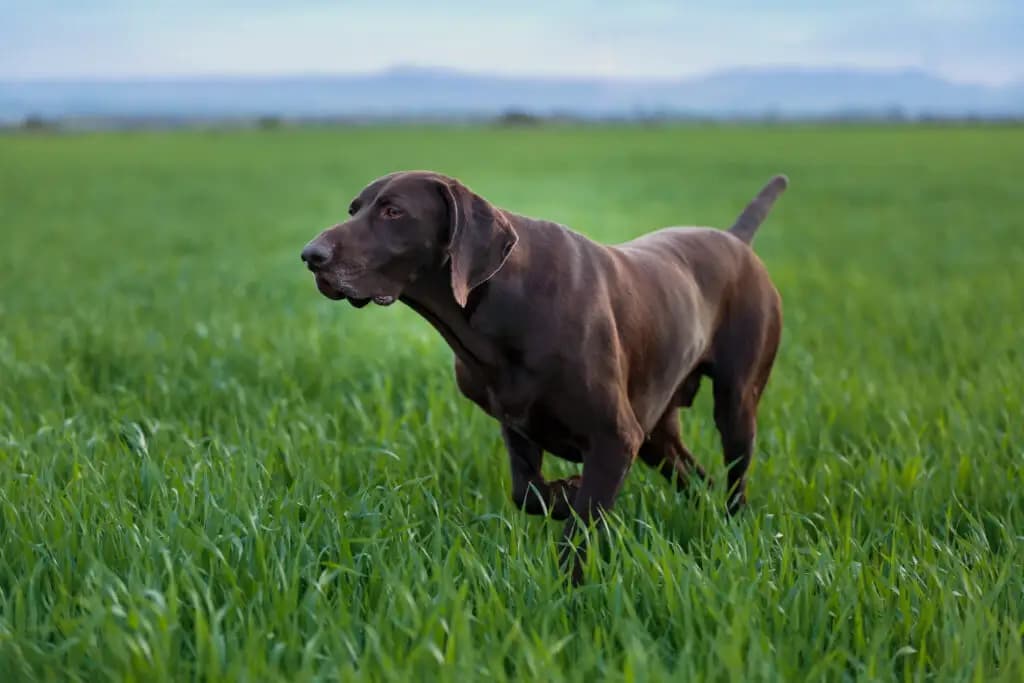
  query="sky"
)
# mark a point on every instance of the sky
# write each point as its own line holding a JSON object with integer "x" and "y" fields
{"x": 974, "y": 41}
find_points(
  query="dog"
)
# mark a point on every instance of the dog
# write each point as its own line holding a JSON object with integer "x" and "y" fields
{"x": 579, "y": 349}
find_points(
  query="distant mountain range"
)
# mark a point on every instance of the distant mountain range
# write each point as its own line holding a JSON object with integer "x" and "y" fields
{"x": 425, "y": 92}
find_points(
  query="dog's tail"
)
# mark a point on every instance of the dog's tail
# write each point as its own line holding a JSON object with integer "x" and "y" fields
{"x": 752, "y": 217}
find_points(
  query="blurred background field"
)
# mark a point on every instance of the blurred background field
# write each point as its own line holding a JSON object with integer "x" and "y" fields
{"x": 208, "y": 470}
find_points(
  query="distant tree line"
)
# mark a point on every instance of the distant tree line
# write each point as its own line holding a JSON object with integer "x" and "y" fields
{"x": 511, "y": 118}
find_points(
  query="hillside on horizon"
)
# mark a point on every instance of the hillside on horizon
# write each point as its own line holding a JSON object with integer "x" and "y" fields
{"x": 422, "y": 91}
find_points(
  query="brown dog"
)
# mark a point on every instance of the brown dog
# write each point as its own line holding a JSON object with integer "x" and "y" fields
{"x": 579, "y": 349}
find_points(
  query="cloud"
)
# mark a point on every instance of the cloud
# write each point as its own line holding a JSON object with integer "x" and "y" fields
{"x": 973, "y": 41}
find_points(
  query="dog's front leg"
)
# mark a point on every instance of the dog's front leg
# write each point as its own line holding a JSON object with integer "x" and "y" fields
{"x": 604, "y": 469}
{"x": 530, "y": 492}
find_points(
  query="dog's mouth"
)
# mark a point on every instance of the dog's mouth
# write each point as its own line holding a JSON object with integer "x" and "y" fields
{"x": 323, "y": 283}
{"x": 338, "y": 292}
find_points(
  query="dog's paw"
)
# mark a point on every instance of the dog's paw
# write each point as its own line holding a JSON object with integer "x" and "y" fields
{"x": 737, "y": 503}
{"x": 569, "y": 483}
{"x": 563, "y": 492}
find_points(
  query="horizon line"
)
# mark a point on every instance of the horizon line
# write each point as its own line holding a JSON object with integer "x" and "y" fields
{"x": 502, "y": 75}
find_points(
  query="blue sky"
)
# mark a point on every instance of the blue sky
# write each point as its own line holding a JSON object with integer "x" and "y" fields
{"x": 973, "y": 41}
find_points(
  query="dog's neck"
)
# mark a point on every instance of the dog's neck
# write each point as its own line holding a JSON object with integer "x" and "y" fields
{"x": 431, "y": 297}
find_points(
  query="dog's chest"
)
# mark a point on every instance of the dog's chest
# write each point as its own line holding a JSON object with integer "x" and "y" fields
{"x": 517, "y": 400}
{"x": 512, "y": 400}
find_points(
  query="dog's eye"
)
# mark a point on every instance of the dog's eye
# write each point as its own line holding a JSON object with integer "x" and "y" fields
{"x": 391, "y": 212}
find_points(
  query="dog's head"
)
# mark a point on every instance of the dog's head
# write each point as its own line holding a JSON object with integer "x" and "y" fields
{"x": 403, "y": 225}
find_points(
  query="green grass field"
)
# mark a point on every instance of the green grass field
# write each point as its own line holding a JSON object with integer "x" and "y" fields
{"x": 210, "y": 472}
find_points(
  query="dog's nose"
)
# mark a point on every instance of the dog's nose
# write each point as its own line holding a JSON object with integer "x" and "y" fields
{"x": 316, "y": 254}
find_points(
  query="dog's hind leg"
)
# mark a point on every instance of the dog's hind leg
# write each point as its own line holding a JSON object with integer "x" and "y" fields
{"x": 665, "y": 451}
{"x": 739, "y": 375}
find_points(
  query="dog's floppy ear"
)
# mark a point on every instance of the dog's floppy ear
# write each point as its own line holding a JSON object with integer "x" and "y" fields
{"x": 480, "y": 242}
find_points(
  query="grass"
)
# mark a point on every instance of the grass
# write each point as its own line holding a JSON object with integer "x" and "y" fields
{"x": 209, "y": 472}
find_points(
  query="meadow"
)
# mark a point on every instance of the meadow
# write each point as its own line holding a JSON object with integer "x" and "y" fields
{"x": 210, "y": 472}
